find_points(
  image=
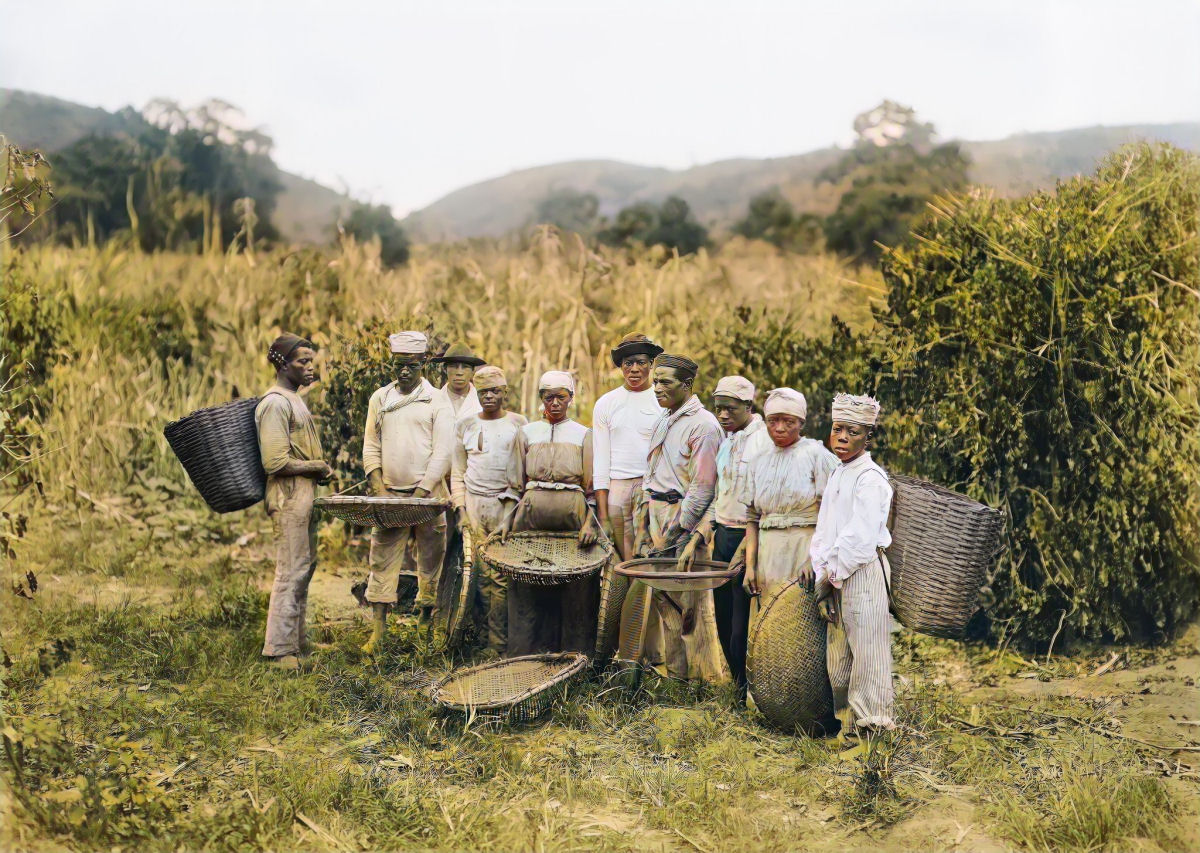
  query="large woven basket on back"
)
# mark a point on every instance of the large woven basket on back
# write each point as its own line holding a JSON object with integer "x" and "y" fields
{"x": 546, "y": 559}
{"x": 785, "y": 664}
{"x": 518, "y": 689}
{"x": 943, "y": 546}
{"x": 383, "y": 511}
{"x": 218, "y": 447}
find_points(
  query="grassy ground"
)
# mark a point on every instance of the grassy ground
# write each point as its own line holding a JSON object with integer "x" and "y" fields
{"x": 137, "y": 715}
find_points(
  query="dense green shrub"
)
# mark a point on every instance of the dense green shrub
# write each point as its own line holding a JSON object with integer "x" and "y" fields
{"x": 1041, "y": 354}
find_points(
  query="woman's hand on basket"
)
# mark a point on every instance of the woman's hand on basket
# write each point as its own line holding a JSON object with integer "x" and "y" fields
{"x": 750, "y": 584}
{"x": 830, "y": 608}
{"x": 589, "y": 533}
{"x": 807, "y": 576}
{"x": 502, "y": 532}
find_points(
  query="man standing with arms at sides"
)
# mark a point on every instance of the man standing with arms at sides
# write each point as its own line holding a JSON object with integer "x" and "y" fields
{"x": 291, "y": 454}
{"x": 680, "y": 481}
{"x": 622, "y": 422}
{"x": 407, "y": 444}
{"x": 850, "y": 572}
{"x": 724, "y": 526}
{"x": 478, "y": 481}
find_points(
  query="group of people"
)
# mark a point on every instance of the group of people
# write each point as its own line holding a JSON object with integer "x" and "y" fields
{"x": 657, "y": 474}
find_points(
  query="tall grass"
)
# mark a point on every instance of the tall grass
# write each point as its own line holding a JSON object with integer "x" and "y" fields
{"x": 142, "y": 339}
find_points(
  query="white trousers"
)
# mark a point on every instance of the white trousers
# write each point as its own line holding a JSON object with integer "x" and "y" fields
{"x": 858, "y": 653}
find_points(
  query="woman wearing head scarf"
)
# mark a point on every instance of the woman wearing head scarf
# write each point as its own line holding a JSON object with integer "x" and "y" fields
{"x": 550, "y": 489}
{"x": 478, "y": 483}
{"x": 782, "y": 493}
{"x": 292, "y": 456}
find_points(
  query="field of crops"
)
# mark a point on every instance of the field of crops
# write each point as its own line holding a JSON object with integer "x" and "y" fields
{"x": 137, "y": 713}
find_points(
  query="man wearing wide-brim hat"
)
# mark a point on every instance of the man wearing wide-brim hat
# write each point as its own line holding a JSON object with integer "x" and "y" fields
{"x": 459, "y": 363}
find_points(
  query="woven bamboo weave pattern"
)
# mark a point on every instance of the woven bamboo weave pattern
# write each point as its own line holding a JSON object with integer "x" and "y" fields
{"x": 462, "y": 594}
{"x": 520, "y": 689}
{"x": 218, "y": 447}
{"x": 384, "y": 511}
{"x": 545, "y": 559}
{"x": 608, "y": 627}
{"x": 659, "y": 573}
{"x": 943, "y": 545}
{"x": 785, "y": 663}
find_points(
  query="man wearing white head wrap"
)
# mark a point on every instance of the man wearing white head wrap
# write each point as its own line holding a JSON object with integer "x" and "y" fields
{"x": 851, "y": 571}
{"x": 407, "y": 444}
{"x": 744, "y": 437}
{"x": 478, "y": 483}
{"x": 550, "y": 489}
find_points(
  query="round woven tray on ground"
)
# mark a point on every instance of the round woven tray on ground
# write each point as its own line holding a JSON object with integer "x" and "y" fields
{"x": 520, "y": 688}
{"x": 218, "y": 447}
{"x": 384, "y": 511}
{"x": 545, "y": 559}
{"x": 785, "y": 664}
{"x": 659, "y": 573}
{"x": 943, "y": 545}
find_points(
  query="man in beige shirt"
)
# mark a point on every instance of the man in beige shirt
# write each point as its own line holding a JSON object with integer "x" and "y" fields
{"x": 291, "y": 454}
{"x": 407, "y": 446}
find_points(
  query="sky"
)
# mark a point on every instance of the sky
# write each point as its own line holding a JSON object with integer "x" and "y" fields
{"x": 401, "y": 102}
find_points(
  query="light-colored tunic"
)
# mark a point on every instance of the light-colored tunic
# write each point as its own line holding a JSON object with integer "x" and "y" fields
{"x": 622, "y": 422}
{"x": 550, "y": 475}
{"x": 845, "y": 550}
{"x": 464, "y": 406}
{"x": 286, "y": 431}
{"x": 683, "y": 458}
{"x": 478, "y": 480}
{"x": 410, "y": 439}
{"x": 782, "y": 491}
{"x": 737, "y": 451}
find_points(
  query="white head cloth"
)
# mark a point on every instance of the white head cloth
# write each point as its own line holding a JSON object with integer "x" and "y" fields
{"x": 409, "y": 343}
{"x": 786, "y": 401}
{"x": 556, "y": 379}
{"x": 489, "y": 376}
{"x": 737, "y": 387}
{"x": 850, "y": 409}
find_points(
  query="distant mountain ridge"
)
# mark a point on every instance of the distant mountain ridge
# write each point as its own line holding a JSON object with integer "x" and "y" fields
{"x": 718, "y": 192}
{"x": 305, "y": 210}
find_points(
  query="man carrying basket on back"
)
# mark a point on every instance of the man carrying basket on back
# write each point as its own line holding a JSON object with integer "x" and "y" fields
{"x": 292, "y": 456}
{"x": 407, "y": 445}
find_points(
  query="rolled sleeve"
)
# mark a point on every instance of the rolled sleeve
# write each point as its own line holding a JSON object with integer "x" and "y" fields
{"x": 443, "y": 447}
{"x": 372, "y": 447}
{"x": 274, "y": 432}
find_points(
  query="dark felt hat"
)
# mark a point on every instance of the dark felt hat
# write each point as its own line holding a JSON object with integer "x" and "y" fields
{"x": 634, "y": 344}
{"x": 460, "y": 354}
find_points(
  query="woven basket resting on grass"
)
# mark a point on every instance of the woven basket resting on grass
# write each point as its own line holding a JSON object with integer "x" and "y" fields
{"x": 943, "y": 546}
{"x": 785, "y": 664}
{"x": 218, "y": 447}
{"x": 545, "y": 559}
{"x": 518, "y": 689}
{"x": 383, "y": 511}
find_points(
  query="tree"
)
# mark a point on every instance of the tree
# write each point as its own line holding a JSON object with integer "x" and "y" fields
{"x": 771, "y": 217}
{"x": 366, "y": 221}
{"x": 568, "y": 210}
{"x": 894, "y": 171}
{"x": 671, "y": 225}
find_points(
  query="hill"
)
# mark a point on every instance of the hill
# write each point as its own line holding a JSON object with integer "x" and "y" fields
{"x": 305, "y": 210}
{"x": 718, "y": 192}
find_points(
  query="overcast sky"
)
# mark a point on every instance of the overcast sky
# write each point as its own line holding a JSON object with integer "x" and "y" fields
{"x": 402, "y": 102}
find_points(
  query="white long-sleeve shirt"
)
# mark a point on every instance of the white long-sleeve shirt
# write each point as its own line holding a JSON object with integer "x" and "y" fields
{"x": 414, "y": 443}
{"x": 622, "y": 422}
{"x": 852, "y": 522}
{"x": 481, "y": 456}
{"x": 464, "y": 406}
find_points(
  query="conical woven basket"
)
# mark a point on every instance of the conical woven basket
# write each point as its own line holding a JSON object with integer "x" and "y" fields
{"x": 943, "y": 546}
{"x": 383, "y": 511}
{"x": 545, "y": 559}
{"x": 608, "y": 626}
{"x": 519, "y": 689}
{"x": 218, "y": 447}
{"x": 785, "y": 664}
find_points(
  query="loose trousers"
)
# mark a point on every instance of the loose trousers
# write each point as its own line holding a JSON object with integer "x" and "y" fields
{"x": 731, "y": 605}
{"x": 858, "y": 653}
{"x": 295, "y": 560}
{"x": 485, "y": 514}
{"x": 388, "y": 549}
